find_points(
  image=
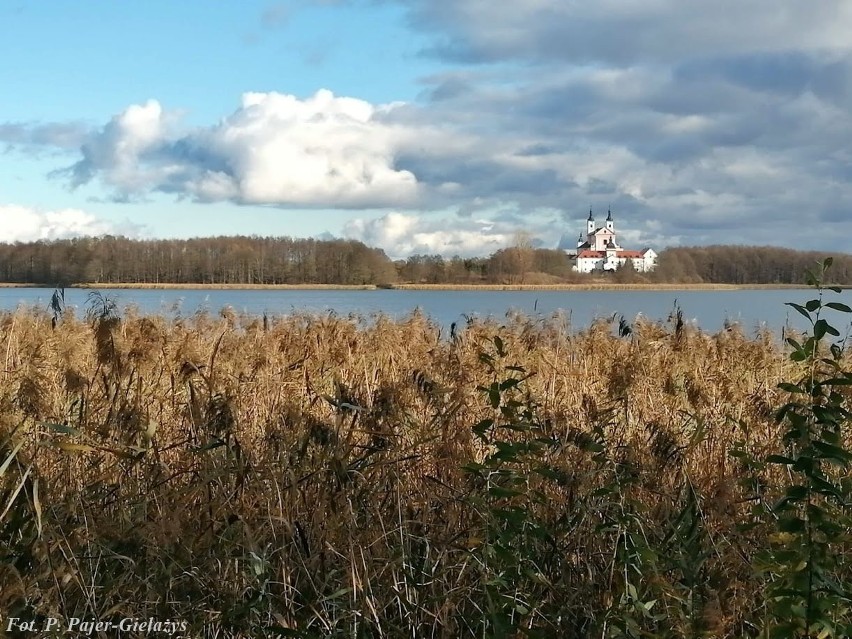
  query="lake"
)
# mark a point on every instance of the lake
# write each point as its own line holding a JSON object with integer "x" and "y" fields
{"x": 707, "y": 309}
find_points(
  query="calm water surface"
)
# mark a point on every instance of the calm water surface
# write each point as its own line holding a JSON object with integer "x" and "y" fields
{"x": 708, "y": 309}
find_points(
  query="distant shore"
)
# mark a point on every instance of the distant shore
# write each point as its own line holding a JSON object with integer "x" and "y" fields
{"x": 205, "y": 287}
{"x": 593, "y": 286}
{"x": 590, "y": 286}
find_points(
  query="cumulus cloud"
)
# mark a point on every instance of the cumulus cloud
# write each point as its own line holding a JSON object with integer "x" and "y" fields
{"x": 24, "y": 224}
{"x": 403, "y": 234}
{"x": 120, "y": 148}
{"x": 697, "y": 122}
{"x": 274, "y": 149}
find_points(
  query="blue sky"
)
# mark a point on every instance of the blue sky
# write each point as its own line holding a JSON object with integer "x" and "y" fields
{"x": 429, "y": 125}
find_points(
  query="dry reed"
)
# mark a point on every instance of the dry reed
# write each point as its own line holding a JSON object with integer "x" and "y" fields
{"x": 307, "y": 473}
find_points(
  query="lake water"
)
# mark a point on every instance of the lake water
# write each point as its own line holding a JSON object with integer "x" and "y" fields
{"x": 708, "y": 309}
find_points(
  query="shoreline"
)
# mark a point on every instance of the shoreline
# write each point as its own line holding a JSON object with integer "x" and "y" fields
{"x": 592, "y": 286}
{"x": 595, "y": 286}
{"x": 203, "y": 287}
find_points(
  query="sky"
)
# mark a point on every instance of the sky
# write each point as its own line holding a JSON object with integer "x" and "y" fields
{"x": 429, "y": 126}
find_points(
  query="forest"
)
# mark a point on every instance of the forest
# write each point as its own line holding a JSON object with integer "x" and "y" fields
{"x": 284, "y": 260}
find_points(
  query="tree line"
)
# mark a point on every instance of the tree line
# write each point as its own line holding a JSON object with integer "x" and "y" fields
{"x": 284, "y": 260}
{"x": 746, "y": 265}
{"x": 215, "y": 260}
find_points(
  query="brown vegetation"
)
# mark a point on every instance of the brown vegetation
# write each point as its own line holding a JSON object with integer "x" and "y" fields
{"x": 315, "y": 475}
{"x": 234, "y": 287}
{"x": 212, "y": 260}
{"x": 745, "y": 265}
{"x": 257, "y": 261}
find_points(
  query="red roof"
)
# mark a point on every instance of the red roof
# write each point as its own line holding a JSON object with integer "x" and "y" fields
{"x": 630, "y": 254}
{"x": 591, "y": 254}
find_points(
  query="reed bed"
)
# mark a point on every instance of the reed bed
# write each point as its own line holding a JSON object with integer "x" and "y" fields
{"x": 322, "y": 476}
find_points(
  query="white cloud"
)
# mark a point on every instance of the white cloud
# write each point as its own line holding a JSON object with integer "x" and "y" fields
{"x": 275, "y": 149}
{"x": 23, "y": 224}
{"x": 118, "y": 150}
{"x": 401, "y": 235}
{"x": 697, "y": 121}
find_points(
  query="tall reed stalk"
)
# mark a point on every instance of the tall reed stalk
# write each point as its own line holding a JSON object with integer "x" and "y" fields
{"x": 320, "y": 476}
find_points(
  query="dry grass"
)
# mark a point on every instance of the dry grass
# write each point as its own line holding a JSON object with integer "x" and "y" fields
{"x": 307, "y": 473}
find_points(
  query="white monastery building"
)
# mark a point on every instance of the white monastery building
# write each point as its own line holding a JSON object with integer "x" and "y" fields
{"x": 599, "y": 251}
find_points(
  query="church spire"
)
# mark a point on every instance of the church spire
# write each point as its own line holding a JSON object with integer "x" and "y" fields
{"x": 591, "y": 217}
{"x": 608, "y": 215}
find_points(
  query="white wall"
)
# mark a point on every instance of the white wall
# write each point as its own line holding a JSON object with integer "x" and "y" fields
{"x": 589, "y": 264}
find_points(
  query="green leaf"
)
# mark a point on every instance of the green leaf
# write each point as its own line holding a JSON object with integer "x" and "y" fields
{"x": 62, "y": 428}
{"x": 822, "y": 327}
{"x": 482, "y": 428}
{"x": 830, "y": 451}
{"x": 791, "y": 388}
{"x": 791, "y": 524}
{"x": 784, "y": 631}
{"x": 810, "y": 345}
{"x": 799, "y": 308}
{"x": 804, "y": 464}
{"x": 825, "y": 488}
{"x": 780, "y": 459}
{"x": 812, "y": 305}
{"x": 797, "y": 492}
{"x": 498, "y": 343}
{"x": 839, "y": 306}
{"x": 509, "y": 383}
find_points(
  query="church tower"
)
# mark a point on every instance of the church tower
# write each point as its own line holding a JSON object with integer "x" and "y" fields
{"x": 609, "y": 226}
{"x": 590, "y": 224}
